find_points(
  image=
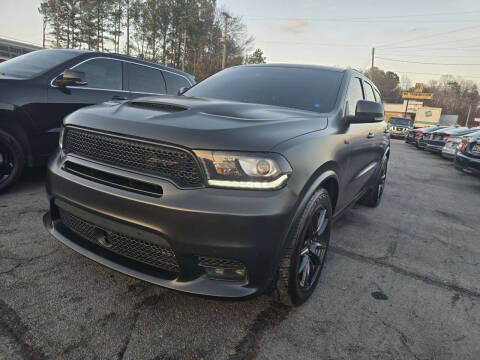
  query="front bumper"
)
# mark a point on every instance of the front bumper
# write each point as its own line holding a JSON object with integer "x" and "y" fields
{"x": 246, "y": 227}
{"x": 467, "y": 164}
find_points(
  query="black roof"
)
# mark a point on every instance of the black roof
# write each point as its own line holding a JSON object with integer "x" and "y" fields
{"x": 123, "y": 57}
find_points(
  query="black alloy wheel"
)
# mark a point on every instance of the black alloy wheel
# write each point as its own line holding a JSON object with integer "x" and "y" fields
{"x": 305, "y": 253}
{"x": 312, "y": 254}
{"x": 373, "y": 196}
{"x": 12, "y": 160}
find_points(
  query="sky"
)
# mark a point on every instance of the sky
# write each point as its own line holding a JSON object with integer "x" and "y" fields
{"x": 405, "y": 34}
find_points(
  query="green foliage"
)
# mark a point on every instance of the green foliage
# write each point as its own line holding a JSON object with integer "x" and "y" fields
{"x": 256, "y": 58}
{"x": 173, "y": 32}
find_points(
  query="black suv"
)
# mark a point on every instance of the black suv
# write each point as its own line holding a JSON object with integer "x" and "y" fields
{"x": 39, "y": 89}
{"x": 229, "y": 190}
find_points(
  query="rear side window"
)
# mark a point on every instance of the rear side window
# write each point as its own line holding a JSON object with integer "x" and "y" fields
{"x": 354, "y": 94}
{"x": 145, "y": 79}
{"x": 175, "y": 82}
{"x": 377, "y": 95}
{"x": 369, "y": 95}
{"x": 102, "y": 73}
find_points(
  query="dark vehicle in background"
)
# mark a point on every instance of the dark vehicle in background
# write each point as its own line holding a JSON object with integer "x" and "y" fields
{"x": 439, "y": 138}
{"x": 398, "y": 127}
{"x": 453, "y": 143}
{"x": 467, "y": 158}
{"x": 411, "y": 135}
{"x": 229, "y": 190}
{"x": 38, "y": 89}
{"x": 424, "y": 135}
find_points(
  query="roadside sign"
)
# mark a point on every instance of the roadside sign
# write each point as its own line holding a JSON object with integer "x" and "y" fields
{"x": 418, "y": 96}
{"x": 418, "y": 88}
{"x": 477, "y": 120}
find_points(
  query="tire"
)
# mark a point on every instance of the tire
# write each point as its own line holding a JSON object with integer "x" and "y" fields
{"x": 12, "y": 160}
{"x": 293, "y": 286}
{"x": 374, "y": 194}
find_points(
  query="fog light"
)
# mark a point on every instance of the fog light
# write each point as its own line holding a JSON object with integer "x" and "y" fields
{"x": 226, "y": 273}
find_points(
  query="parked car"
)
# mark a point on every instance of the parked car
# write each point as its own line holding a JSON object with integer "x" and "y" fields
{"x": 229, "y": 190}
{"x": 411, "y": 135}
{"x": 453, "y": 143}
{"x": 399, "y": 127}
{"x": 467, "y": 158}
{"x": 423, "y": 134}
{"x": 38, "y": 89}
{"x": 439, "y": 138}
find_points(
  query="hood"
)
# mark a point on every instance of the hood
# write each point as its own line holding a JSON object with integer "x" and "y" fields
{"x": 200, "y": 123}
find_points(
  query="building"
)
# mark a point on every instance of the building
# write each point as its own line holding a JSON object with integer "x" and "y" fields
{"x": 10, "y": 49}
{"x": 401, "y": 110}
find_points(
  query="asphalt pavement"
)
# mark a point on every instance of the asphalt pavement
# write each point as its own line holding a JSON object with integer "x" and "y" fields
{"x": 402, "y": 281}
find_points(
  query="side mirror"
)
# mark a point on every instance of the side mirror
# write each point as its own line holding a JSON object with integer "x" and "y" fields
{"x": 182, "y": 90}
{"x": 71, "y": 78}
{"x": 367, "y": 112}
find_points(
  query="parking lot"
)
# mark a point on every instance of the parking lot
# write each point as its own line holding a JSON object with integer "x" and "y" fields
{"x": 402, "y": 281}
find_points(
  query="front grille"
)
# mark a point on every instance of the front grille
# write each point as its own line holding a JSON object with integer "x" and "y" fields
{"x": 121, "y": 244}
{"x": 206, "y": 261}
{"x": 167, "y": 162}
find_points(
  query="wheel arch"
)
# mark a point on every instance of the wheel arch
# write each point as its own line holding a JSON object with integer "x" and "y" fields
{"x": 16, "y": 124}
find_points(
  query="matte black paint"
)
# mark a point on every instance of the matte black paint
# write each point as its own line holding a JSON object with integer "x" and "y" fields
{"x": 247, "y": 225}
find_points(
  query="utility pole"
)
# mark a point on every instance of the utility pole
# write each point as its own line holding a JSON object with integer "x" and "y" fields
{"x": 468, "y": 116}
{"x": 57, "y": 25}
{"x": 373, "y": 63}
{"x": 184, "y": 47}
{"x": 128, "y": 27}
{"x": 226, "y": 16}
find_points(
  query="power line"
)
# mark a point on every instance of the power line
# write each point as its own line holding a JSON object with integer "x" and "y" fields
{"x": 313, "y": 43}
{"x": 422, "y": 73}
{"x": 429, "y": 36}
{"x": 434, "y": 43}
{"x": 366, "y": 18}
{"x": 425, "y": 63}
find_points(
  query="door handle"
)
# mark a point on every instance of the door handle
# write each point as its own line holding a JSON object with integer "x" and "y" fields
{"x": 370, "y": 135}
{"x": 118, "y": 97}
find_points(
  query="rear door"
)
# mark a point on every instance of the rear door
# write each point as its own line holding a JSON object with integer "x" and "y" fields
{"x": 359, "y": 143}
{"x": 380, "y": 130}
{"x": 144, "y": 80}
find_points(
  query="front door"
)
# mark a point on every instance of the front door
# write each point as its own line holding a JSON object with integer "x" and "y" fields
{"x": 360, "y": 140}
{"x": 104, "y": 83}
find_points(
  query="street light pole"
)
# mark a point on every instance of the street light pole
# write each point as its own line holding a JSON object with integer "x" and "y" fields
{"x": 226, "y": 16}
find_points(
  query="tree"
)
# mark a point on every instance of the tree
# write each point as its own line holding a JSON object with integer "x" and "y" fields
{"x": 387, "y": 82}
{"x": 179, "y": 33}
{"x": 256, "y": 58}
{"x": 455, "y": 96}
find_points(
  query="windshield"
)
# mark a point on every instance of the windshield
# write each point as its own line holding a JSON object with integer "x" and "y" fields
{"x": 301, "y": 88}
{"x": 34, "y": 63}
{"x": 400, "y": 121}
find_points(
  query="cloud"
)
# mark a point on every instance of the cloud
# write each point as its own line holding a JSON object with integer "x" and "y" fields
{"x": 295, "y": 25}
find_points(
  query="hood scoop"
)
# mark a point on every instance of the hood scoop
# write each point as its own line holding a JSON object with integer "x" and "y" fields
{"x": 170, "y": 108}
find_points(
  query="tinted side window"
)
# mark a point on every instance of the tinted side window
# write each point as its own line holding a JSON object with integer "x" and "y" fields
{"x": 175, "y": 82}
{"x": 102, "y": 73}
{"x": 145, "y": 79}
{"x": 353, "y": 95}
{"x": 377, "y": 95}
{"x": 368, "y": 91}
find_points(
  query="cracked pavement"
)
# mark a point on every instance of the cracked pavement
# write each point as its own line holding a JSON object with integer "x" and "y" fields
{"x": 402, "y": 281}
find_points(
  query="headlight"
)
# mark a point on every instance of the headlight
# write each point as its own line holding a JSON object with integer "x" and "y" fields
{"x": 60, "y": 139}
{"x": 258, "y": 171}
